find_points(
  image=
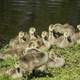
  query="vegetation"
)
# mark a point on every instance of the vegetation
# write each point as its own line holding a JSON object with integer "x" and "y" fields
{"x": 70, "y": 71}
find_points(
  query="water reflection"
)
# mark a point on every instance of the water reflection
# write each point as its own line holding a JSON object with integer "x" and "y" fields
{"x": 16, "y": 15}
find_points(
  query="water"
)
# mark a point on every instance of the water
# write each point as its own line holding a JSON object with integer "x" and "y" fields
{"x": 16, "y": 15}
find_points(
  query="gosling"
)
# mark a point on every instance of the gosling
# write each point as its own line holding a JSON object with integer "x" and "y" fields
{"x": 33, "y": 59}
{"x": 18, "y": 41}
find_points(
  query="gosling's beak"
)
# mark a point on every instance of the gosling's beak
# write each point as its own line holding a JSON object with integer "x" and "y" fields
{"x": 46, "y": 38}
{"x": 24, "y": 38}
{"x": 35, "y": 35}
{"x": 69, "y": 39}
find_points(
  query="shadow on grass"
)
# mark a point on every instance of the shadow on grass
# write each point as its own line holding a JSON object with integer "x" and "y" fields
{"x": 37, "y": 73}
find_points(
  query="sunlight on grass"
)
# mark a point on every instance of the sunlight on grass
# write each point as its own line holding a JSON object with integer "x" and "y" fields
{"x": 70, "y": 71}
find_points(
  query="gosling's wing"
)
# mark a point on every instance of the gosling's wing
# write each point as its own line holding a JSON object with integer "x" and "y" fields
{"x": 59, "y": 62}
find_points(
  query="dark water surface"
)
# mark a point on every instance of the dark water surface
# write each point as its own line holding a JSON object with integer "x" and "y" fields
{"x": 16, "y": 15}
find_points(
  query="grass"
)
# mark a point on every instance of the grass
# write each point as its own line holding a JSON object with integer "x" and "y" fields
{"x": 70, "y": 71}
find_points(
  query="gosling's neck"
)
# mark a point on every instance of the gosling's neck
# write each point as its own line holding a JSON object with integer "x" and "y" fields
{"x": 51, "y": 36}
{"x": 32, "y": 36}
{"x": 46, "y": 42}
{"x": 21, "y": 40}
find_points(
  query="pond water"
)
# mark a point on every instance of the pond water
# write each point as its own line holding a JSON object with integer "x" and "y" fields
{"x": 16, "y": 15}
